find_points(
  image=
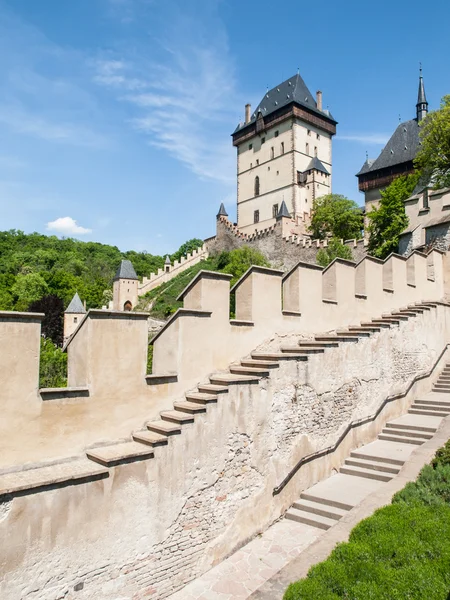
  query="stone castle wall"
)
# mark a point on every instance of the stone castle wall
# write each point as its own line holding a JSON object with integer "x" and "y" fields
{"x": 282, "y": 250}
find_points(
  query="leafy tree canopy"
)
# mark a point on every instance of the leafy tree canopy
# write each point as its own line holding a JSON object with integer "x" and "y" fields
{"x": 334, "y": 249}
{"x": 53, "y": 323}
{"x": 337, "y": 216}
{"x": 433, "y": 158}
{"x": 241, "y": 259}
{"x": 388, "y": 220}
{"x": 187, "y": 247}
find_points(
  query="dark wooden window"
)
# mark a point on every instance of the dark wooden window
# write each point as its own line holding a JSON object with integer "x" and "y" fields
{"x": 257, "y": 186}
{"x": 274, "y": 211}
{"x": 256, "y": 216}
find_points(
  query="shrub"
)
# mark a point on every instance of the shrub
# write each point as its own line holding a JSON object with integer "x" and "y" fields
{"x": 442, "y": 456}
{"x": 335, "y": 249}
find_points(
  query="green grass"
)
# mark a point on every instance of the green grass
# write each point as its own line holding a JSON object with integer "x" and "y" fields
{"x": 401, "y": 552}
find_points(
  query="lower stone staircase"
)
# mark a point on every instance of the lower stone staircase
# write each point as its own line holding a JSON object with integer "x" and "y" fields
{"x": 366, "y": 468}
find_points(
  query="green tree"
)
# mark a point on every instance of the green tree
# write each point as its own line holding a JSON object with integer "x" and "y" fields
{"x": 241, "y": 259}
{"x": 336, "y": 215}
{"x": 187, "y": 247}
{"x": 388, "y": 220}
{"x": 52, "y": 365}
{"x": 433, "y": 158}
{"x": 27, "y": 289}
{"x": 334, "y": 249}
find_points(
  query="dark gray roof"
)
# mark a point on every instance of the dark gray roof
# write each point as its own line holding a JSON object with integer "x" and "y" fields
{"x": 76, "y": 306}
{"x": 126, "y": 271}
{"x": 167, "y": 261}
{"x": 292, "y": 90}
{"x": 421, "y": 97}
{"x": 317, "y": 165}
{"x": 402, "y": 147}
{"x": 366, "y": 166}
{"x": 222, "y": 212}
{"x": 283, "y": 211}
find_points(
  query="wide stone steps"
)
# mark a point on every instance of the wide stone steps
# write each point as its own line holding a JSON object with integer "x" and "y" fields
{"x": 407, "y": 432}
{"x": 293, "y": 514}
{"x": 111, "y": 456}
{"x": 410, "y": 427}
{"x": 365, "y": 472}
{"x": 322, "y": 510}
{"x": 372, "y": 464}
{"x": 427, "y": 412}
{"x": 202, "y": 397}
{"x": 175, "y": 416}
{"x": 436, "y": 403}
{"x": 391, "y": 437}
{"x": 150, "y": 438}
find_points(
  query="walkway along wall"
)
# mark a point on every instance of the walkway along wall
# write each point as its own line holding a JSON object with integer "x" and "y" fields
{"x": 140, "y": 528}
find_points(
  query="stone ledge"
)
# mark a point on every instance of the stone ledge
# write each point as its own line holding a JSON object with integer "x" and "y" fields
{"x": 11, "y": 314}
{"x": 155, "y": 379}
{"x": 241, "y": 323}
{"x": 63, "y": 393}
{"x": 291, "y": 313}
{"x": 120, "y": 454}
{"x": 40, "y": 478}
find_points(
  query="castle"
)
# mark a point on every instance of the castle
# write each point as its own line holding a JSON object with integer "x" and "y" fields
{"x": 128, "y": 484}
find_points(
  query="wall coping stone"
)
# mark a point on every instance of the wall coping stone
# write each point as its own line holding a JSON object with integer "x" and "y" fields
{"x": 341, "y": 261}
{"x": 12, "y": 314}
{"x": 304, "y": 264}
{"x": 65, "y": 392}
{"x": 203, "y": 275}
{"x": 160, "y": 379}
{"x": 181, "y": 312}
{"x": 241, "y": 323}
{"x": 256, "y": 269}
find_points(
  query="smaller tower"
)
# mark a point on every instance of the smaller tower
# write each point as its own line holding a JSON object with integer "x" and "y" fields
{"x": 167, "y": 264}
{"x": 73, "y": 316}
{"x": 125, "y": 287}
{"x": 422, "y": 104}
{"x": 222, "y": 212}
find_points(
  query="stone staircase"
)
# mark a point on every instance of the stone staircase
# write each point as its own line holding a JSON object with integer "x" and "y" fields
{"x": 366, "y": 468}
{"x": 248, "y": 371}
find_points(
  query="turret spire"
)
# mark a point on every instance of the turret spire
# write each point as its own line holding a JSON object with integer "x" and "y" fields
{"x": 422, "y": 104}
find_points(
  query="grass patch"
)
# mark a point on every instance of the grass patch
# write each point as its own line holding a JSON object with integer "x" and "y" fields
{"x": 401, "y": 552}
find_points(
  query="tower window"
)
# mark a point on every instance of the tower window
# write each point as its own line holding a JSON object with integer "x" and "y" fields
{"x": 307, "y": 149}
{"x": 276, "y": 133}
{"x": 315, "y": 150}
{"x": 251, "y": 165}
{"x": 257, "y": 189}
{"x": 250, "y": 146}
{"x": 75, "y": 319}
{"x": 282, "y": 147}
{"x": 318, "y": 136}
{"x": 272, "y": 152}
{"x": 274, "y": 211}
{"x": 257, "y": 161}
{"x": 309, "y": 131}
{"x": 256, "y": 216}
{"x": 263, "y": 140}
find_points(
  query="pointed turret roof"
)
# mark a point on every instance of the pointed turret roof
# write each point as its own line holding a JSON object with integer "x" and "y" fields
{"x": 76, "y": 306}
{"x": 421, "y": 97}
{"x": 222, "y": 212}
{"x": 167, "y": 261}
{"x": 283, "y": 211}
{"x": 317, "y": 165}
{"x": 125, "y": 271}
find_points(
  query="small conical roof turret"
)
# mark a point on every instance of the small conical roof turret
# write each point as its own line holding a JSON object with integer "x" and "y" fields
{"x": 167, "y": 261}
{"x": 283, "y": 211}
{"x": 422, "y": 104}
{"x": 76, "y": 306}
{"x": 125, "y": 271}
{"x": 222, "y": 212}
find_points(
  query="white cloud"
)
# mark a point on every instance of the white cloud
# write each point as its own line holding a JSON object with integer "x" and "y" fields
{"x": 366, "y": 138}
{"x": 185, "y": 105}
{"x": 67, "y": 226}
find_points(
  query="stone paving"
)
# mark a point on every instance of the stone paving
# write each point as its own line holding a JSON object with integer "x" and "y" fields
{"x": 247, "y": 569}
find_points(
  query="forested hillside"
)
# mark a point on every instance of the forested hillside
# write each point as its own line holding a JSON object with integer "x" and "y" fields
{"x": 35, "y": 265}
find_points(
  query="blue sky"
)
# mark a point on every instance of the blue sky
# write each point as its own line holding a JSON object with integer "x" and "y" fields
{"x": 116, "y": 115}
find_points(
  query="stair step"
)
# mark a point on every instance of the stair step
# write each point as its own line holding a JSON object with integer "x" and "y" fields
{"x": 408, "y": 433}
{"x": 278, "y": 356}
{"x": 325, "y": 501}
{"x": 372, "y": 464}
{"x": 404, "y": 313}
{"x": 201, "y": 397}
{"x": 111, "y": 456}
{"x": 395, "y": 317}
{"x": 372, "y": 328}
{"x": 433, "y": 403}
{"x": 337, "y": 338}
{"x": 400, "y": 439}
{"x": 321, "y": 510}
{"x": 382, "y": 459}
{"x": 366, "y": 473}
{"x": 190, "y": 407}
{"x": 164, "y": 427}
{"x": 359, "y": 332}
{"x": 298, "y": 350}
{"x": 312, "y": 344}
{"x": 251, "y": 362}
{"x": 211, "y": 388}
{"x": 414, "y": 411}
{"x": 376, "y": 323}
{"x": 240, "y": 370}
{"x": 411, "y": 427}
{"x": 441, "y": 387}
{"x": 314, "y": 521}
{"x": 173, "y": 416}
{"x": 233, "y": 379}
{"x": 150, "y": 438}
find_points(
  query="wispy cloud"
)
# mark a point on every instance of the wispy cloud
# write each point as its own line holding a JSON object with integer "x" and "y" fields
{"x": 67, "y": 226}
{"x": 184, "y": 103}
{"x": 366, "y": 138}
